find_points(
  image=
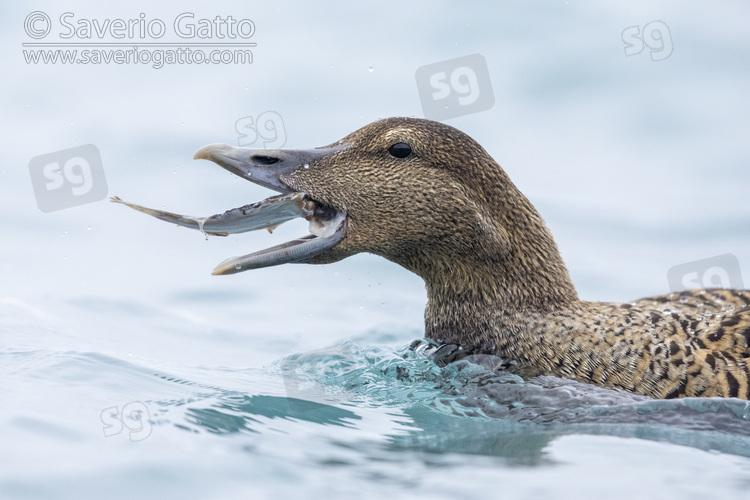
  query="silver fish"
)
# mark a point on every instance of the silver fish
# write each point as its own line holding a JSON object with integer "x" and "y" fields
{"x": 266, "y": 214}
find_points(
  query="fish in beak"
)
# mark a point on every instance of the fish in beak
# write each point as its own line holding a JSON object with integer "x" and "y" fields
{"x": 265, "y": 167}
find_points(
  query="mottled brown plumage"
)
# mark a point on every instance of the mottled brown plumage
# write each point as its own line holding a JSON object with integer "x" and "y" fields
{"x": 495, "y": 280}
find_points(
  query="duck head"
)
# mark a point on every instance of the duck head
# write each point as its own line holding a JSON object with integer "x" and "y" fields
{"x": 421, "y": 194}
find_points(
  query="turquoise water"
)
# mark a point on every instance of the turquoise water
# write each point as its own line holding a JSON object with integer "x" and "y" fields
{"x": 360, "y": 417}
{"x": 127, "y": 370}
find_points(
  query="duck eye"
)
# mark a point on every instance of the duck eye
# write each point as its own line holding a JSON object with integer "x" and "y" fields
{"x": 400, "y": 150}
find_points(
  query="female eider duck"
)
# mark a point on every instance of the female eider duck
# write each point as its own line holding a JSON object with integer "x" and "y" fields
{"x": 429, "y": 198}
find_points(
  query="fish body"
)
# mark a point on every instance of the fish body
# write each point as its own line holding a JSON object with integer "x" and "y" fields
{"x": 265, "y": 214}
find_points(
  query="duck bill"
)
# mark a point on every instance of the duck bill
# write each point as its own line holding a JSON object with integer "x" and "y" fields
{"x": 298, "y": 250}
{"x": 263, "y": 166}
{"x": 266, "y": 167}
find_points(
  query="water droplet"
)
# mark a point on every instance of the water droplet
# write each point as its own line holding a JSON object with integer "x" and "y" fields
{"x": 88, "y": 228}
{"x": 237, "y": 266}
{"x": 201, "y": 221}
{"x": 371, "y": 69}
{"x": 306, "y": 166}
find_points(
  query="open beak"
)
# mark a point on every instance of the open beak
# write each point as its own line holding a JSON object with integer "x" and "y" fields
{"x": 265, "y": 167}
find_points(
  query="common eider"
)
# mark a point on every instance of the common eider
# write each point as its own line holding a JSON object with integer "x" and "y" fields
{"x": 429, "y": 198}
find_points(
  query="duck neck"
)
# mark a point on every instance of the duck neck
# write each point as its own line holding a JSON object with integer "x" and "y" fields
{"x": 471, "y": 309}
{"x": 487, "y": 292}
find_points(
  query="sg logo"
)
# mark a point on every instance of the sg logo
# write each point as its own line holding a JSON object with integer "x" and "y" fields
{"x": 269, "y": 126}
{"x": 655, "y": 36}
{"x": 463, "y": 80}
{"x": 722, "y": 271}
{"x": 455, "y": 87}
{"x": 134, "y": 416}
{"x": 68, "y": 178}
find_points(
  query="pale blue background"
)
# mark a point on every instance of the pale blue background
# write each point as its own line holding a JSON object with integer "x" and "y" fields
{"x": 636, "y": 166}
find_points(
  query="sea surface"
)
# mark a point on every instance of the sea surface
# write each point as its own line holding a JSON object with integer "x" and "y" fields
{"x": 128, "y": 371}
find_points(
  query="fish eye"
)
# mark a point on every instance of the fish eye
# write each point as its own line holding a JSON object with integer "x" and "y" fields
{"x": 400, "y": 150}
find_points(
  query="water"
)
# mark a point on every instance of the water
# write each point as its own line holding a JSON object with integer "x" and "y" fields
{"x": 369, "y": 415}
{"x": 127, "y": 370}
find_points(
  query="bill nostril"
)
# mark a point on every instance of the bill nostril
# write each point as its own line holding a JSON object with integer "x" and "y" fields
{"x": 265, "y": 160}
